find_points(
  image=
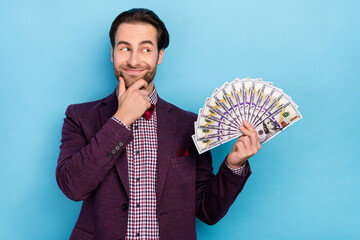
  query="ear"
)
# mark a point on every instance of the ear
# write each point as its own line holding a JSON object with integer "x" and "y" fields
{"x": 160, "y": 57}
{"x": 112, "y": 54}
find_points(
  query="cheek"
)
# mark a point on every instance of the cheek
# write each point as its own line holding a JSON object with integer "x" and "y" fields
{"x": 154, "y": 63}
{"x": 115, "y": 61}
{"x": 119, "y": 58}
{"x": 151, "y": 59}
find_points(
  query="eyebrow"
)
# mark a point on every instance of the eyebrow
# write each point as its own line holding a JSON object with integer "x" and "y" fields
{"x": 146, "y": 41}
{"x": 141, "y": 43}
{"x": 122, "y": 42}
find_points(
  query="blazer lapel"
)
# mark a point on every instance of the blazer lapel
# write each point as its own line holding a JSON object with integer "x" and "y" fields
{"x": 108, "y": 109}
{"x": 166, "y": 125}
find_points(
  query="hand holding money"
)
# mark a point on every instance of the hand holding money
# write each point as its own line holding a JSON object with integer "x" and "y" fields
{"x": 132, "y": 102}
{"x": 266, "y": 109}
{"x": 245, "y": 146}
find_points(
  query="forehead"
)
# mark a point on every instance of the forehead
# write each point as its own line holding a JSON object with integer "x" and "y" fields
{"x": 135, "y": 33}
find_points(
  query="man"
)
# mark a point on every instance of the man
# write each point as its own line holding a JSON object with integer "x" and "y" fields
{"x": 130, "y": 157}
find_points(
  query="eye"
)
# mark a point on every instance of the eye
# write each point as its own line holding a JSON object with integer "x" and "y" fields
{"x": 145, "y": 50}
{"x": 124, "y": 49}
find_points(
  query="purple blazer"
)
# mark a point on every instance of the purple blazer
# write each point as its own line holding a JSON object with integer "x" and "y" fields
{"x": 91, "y": 168}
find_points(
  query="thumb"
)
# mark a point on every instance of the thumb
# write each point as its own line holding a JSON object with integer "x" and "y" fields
{"x": 122, "y": 87}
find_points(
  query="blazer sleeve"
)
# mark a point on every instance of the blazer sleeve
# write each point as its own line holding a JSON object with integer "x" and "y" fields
{"x": 83, "y": 164}
{"x": 216, "y": 193}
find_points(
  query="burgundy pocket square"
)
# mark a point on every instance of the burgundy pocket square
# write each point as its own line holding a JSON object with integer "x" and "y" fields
{"x": 182, "y": 152}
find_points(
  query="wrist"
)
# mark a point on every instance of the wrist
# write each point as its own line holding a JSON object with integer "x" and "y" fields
{"x": 236, "y": 166}
{"x": 124, "y": 119}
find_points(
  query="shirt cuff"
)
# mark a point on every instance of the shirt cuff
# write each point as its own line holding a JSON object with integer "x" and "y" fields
{"x": 119, "y": 122}
{"x": 238, "y": 171}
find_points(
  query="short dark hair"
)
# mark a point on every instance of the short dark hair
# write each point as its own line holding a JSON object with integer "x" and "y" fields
{"x": 141, "y": 15}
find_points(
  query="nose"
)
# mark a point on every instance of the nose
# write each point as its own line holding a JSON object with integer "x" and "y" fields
{"x": 133, "y": 59}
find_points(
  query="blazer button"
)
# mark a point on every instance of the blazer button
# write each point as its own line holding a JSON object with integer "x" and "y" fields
{"x": 109, "y": 155}
{"x": 125, "y": 207}
{"x": 121, "y": 144}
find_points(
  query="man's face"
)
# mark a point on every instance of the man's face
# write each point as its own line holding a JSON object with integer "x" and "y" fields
{"x": 135, "y": 54}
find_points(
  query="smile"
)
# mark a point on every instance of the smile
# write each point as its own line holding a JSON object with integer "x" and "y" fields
{"x": 134, "y": 71}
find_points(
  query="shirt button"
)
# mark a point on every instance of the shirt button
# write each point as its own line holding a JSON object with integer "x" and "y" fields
{"x": 137, "y": 152}
{"x": 138, "y": 205}
{"x": 136, "y": 127}
{"x": 138, "y": 179}
{"x": 137, "y": 234}
{"x": 125, "y": 207}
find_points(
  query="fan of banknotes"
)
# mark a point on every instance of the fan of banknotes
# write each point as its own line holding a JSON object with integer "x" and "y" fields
{"x": 267, "y": 108}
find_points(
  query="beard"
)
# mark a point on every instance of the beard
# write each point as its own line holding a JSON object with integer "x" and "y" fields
{"x": 148, "y": 76}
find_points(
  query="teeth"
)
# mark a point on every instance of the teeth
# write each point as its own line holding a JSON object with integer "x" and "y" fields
{"x": 267, "y": 108}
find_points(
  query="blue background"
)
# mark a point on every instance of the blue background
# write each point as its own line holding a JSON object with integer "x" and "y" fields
{"x": 305, "y": 182}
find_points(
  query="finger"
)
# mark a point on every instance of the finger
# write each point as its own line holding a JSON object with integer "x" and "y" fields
{"x": 247, "y": 143}
{"x": 238, "y": 146}
{"x": 249, "y": 126}
{"x": 146, "y": 99}
{"x": 258, "y": 145}
{"x": 250, "y": 148}
{"x": 254, "y": 138}
{"x": 121, "y": 86}
{"x": 141, "y": 83}
{"x": 144, "y": 93}
{"x": 245, "y": 130}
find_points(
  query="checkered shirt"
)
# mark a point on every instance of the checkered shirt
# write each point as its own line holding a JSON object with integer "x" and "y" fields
{"x": 142, "y": 161}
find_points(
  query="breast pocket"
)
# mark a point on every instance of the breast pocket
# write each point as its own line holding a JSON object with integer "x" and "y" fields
{"x": 189, "y": 159}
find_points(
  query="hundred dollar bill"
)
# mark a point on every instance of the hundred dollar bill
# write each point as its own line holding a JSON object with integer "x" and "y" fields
{"x": 269, "y": 95}
{"x": 258, "y": 91}
{"x": 229, "y": 95}
{"x": 219, "y": 136}
{"x": 276, "y": 122}
{"x": 205, "y": 145}
{"x": 253, "y": 96}
{"x": 236, "y": 87}
{"x": 204, "y": 133}
{"x": 209, "y": 119}
{"x": 278, "y": 103}
{"x": 247, "y": 95}
{"x": 223, "y": 99}
{"x": 213, "y": 107}
{"x": 272, "y": 125}
{"x": 214, "y": 112}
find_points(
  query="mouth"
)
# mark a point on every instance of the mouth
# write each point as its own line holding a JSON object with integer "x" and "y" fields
{"x": 134, "y": 71}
